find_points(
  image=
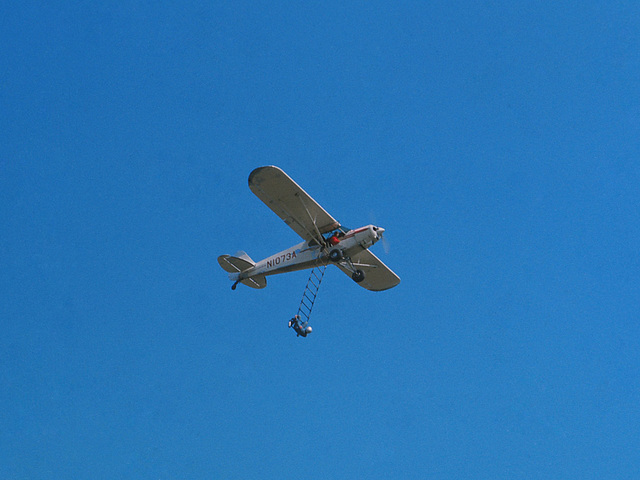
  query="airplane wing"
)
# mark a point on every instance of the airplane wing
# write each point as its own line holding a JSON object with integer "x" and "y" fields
{"x": 377, "y": 276}
{"x": 291, "y": 203}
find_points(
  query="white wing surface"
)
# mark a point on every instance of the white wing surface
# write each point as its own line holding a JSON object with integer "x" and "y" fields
{"x": 291, "y": 203}
{"x": 377, "y": 276}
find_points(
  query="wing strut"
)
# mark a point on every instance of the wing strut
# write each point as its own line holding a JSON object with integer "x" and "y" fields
{"x": 320, "y": 238}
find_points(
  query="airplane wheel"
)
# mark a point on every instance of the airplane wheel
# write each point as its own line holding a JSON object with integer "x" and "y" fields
{"x": 335, "y": 255}
{"x": 358, "y": 276}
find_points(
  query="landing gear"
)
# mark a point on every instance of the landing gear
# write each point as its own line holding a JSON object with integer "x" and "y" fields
{"x": 335, "y": 255}
{"x": 358, "y": 276}
{"x": 233, "y": 287}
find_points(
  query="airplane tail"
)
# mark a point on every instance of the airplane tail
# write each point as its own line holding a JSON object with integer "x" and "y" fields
{"x": 238, "y": 264}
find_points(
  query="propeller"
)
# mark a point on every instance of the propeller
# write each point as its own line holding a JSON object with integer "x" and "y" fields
{"x": 385, "y": 243}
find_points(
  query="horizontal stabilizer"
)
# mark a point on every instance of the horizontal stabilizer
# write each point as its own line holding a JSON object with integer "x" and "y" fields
{"x": 241, "y": 262}
{"x": 235, "y": 264}
{"x": 258, "y": 281}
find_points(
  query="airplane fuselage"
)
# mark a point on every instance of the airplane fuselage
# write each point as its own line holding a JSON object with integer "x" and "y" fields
{"x": 308, "y": 254}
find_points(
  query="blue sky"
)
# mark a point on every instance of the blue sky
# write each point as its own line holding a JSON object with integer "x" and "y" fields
{"x": 497, "y": 142}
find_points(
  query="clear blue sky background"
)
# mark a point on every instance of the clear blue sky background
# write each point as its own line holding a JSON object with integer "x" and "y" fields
{"x": 498, "y": 144}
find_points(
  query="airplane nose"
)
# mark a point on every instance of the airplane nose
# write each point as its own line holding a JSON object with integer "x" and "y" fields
{"x": 380, "y": 231}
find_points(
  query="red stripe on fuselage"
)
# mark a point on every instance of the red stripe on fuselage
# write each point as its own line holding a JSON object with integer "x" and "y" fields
{"x": 352, "y": 233}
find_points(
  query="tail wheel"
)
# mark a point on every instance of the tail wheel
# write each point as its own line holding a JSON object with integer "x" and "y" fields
{"x": 335, "y": 255}
{"x": 358, "y": 276}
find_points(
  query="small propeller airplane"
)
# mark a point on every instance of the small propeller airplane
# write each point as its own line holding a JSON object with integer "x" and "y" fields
{"x": 325, "y": 242}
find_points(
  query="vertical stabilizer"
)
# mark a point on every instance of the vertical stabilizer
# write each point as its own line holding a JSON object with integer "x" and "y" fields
{"x": 243, "y": 255}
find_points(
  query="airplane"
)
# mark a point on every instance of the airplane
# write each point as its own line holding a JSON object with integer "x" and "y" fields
{"x": 325, "y": 240}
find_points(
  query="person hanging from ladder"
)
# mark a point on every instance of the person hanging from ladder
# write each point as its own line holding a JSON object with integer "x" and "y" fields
{"x": 301, "y": 328}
